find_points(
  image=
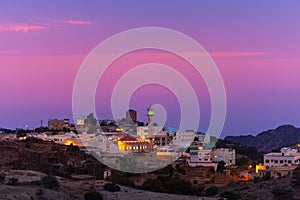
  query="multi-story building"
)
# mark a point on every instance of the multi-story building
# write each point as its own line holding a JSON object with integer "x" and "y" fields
{"x": 143, "y": 131}
{"x": 286, "y": 157}
{"x": 183, "y": 138}
{"x": 58, "y": 124}
{"x": 129, "y": 144}
{"x": 224, "y": 154}
{"x": 200, "y": 157}
{"x": 162, "y": 138}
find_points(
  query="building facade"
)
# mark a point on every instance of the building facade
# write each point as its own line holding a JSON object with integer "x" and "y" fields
{"x": 224, "y": 154}
{"x": 129, "y": 144}
{"x": 286, "y": 157}
{"x": 58, "y": 124}
{"x": 143, "y": 131}
{"x": 162, "y": 138}
{"x": 184, "y": 138}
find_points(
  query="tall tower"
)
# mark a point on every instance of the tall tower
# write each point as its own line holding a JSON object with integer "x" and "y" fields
{"x": 131, "y": 115}
{"x": 150, "y": 114}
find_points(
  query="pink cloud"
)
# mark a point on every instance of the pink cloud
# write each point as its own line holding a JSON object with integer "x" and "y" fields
{"x": 60, "y": 22}
{"x": 226, "y": 54}
{"x": 16, "y": 27}
{"x": 238, "y": 54}
{"x": 25, "y": 27}
{"x": 77, "y": 22}
{"x": 166, "y": 55}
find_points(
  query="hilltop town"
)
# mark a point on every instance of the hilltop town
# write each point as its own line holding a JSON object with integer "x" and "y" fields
{"x": 95, "y": 156}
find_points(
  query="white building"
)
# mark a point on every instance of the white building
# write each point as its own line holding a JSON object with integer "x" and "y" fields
{"x": 143, "y": 131}
{"x": 183, "y": 138}
{"x": 59, "y": 139}
{"x": 224, "y": 154}
{"x": 185, "y": 135}
{"x": 106, "y": 145}
{"x": 200, "y": 157}
{"x": 286, "y": 157}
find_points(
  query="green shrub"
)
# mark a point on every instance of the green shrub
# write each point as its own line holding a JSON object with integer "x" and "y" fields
{"x": 13, "y": 181}
{"x": 180, "y": 169}
{"x": 40, "y": 192}
{"x": 121, "y": 178}
{"x": 279, "y": 194}
{"x": 229, "y": 195}
{"x": 167, "y": 184}
{"x": 111, "y": 187}
{"x": 211, "y": 191}
{"x": 60, "y": 173}
{"x": 50, "y": 182}
{"x": 296, "y": 176}
{"x": 153, "y": 185}
{"x": 221, "y": 166}
{"x": 93, "y": 195}
{"x": 2, "y": 178}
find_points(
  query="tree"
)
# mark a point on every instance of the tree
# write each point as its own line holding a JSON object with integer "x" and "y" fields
{"x": 168, "y": 184}
{"x": 50, "y": 182}
{"x": 241, "y": 161}
{"x": 93, "y": 195}
{"x": 121, "y": 178}
{"x": 90, "y": 120}
{"x": 221, "y": 166}
{"x": 153, "y": 185}
{"x": 211, "y": 191}
{"x": 296, "y": 176}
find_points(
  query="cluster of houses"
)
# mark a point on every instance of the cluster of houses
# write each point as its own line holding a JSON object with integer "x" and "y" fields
{"x": 158, "y": 144}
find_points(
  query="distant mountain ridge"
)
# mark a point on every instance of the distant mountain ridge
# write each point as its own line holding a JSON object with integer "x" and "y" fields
{"x": 266, "y": 141}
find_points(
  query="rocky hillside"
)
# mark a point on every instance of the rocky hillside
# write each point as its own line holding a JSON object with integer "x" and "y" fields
{"x": 38, "y": 155}
{"x": 266, "y": 141}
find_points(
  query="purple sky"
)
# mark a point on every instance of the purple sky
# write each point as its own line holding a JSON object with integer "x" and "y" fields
{"x": 255, "y": 44}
